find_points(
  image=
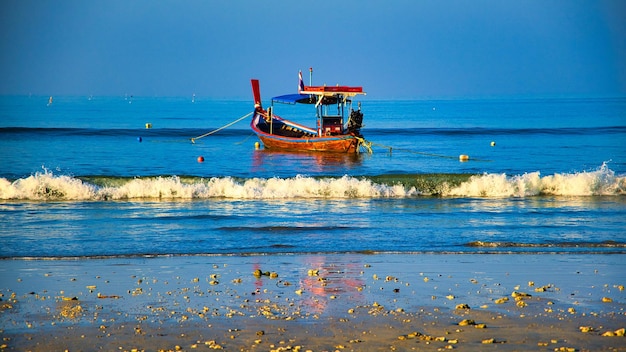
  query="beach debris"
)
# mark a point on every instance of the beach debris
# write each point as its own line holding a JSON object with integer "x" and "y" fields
{"x": 70, "y": 310}
{"x": 543, "y": 288}
{"x": 466, "y": 322}
{"x": 450, "y": 297}
{"x": 423, "y": 337}
{"x": 501, "y": 300}
{"x": 618, "y": 332}
{"x": 585, "y": 328}
{"x": 258, "y": 273}
{"x": 492, "y": 340}
{"x": 391, "y": 278}
{"x": 517, "y": 294}
{"x": 462, "y": 306}
{"x": 565, "y": 349}
{"x": 607, "y": 300}
{"x": 108, "y": 296}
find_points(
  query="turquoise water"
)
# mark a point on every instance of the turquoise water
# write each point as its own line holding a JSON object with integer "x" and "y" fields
{"x": 82, "y": 176}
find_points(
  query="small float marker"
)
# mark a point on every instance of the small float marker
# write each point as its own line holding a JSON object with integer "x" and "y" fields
{"x": 257, "y": 145}
{"x": 200, "y": 159}
{"x": 139, "y": 139}
{"x": 493, "y": 144}
{"x": 148, "y": 125}
{"x": 463, "y": 157}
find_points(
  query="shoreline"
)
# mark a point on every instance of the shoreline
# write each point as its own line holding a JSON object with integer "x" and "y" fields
{"x": 317, "y": 302}
{"x": 604, "y": 244}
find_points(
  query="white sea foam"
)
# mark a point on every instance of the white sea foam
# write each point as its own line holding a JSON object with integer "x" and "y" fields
{"x": 592, "y": 183}
{"x": 47, "y": 186}
{"x": 43, "y": 186}
{"x": 300, "y": 187}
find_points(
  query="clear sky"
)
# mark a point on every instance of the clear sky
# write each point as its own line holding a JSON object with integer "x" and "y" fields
{"x": 395, "y": 49}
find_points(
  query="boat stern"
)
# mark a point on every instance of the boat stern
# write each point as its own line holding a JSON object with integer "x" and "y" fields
{"x": 256, "y": 94}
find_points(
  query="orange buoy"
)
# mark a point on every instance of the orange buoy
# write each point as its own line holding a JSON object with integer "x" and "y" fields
{"x": 463, "y": 157}
{"x": 200, "y": 159}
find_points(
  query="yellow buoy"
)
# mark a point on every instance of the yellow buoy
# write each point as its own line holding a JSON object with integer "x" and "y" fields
{"x": 493, "y": 144}
{"x": 148, "y": 125}
{"x": 463, "y": 157}
{"x": 257, "y": 145}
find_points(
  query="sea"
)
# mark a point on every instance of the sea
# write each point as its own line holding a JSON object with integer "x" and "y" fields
{"x": 126, "y": 176}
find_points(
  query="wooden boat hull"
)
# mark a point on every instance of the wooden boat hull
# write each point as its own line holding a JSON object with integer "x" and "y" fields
{"x": 345, "y": 143}
{"x": 330, "y": 134}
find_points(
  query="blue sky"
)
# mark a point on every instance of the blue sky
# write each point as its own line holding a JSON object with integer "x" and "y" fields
{"x": 401, "y": 49}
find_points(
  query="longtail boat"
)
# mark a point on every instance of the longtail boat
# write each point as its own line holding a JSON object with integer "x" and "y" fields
{"x": 333, "y": 133}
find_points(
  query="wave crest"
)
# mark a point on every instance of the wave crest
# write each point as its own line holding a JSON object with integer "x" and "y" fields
{"x": 46, "y": 186}
{"x": 594, "y": 183}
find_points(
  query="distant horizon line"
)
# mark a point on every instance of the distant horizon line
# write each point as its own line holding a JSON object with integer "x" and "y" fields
{"x": 192, "y": 98}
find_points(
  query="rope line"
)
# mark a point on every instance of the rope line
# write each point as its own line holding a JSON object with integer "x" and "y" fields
{"x": 362, "y": 143}
{"x": 193, "y": 140}
{"x": 245, "y": 139}
{"x": 422, "y": 153}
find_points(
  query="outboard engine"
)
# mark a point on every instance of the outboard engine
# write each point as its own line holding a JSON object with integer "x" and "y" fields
{"x": 355, "y": 122}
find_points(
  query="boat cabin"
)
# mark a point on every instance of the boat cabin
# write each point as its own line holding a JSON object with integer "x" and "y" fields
{"x": 331, "y": 105}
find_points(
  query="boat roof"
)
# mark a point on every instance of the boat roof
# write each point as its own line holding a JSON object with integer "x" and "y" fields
{"x": 309, "y": 93}
{"x": 332, "y": 90}
{"x": 294, "y": 98}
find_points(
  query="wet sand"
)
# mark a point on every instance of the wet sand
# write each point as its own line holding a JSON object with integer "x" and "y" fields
{"x": 346, "y": 302}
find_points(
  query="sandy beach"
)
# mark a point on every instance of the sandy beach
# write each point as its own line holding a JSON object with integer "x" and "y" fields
{"x": 336, "y": 302}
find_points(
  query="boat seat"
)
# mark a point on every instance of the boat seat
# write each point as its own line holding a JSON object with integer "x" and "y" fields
{"x": 332, "y": 125}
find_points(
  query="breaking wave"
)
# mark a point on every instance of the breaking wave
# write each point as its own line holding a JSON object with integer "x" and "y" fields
{"x": 46, "y": 186}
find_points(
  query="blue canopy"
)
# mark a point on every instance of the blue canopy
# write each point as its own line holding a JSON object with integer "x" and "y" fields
{"x": 294, "y": 98}
{"x": 303, "y": 99}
